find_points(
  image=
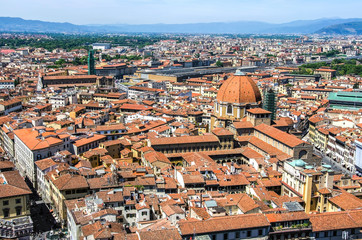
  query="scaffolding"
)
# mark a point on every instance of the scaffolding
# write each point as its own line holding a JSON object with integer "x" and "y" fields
{"x": 269, "y": 102}
{"x": 91, "y": 70}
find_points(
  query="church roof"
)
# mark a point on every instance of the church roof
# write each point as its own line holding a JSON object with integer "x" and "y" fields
{"x": 239, "y": 89}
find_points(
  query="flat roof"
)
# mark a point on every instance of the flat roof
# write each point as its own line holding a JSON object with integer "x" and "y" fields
{"x": 196, "y": 71}
{"x": 345, "y": 96}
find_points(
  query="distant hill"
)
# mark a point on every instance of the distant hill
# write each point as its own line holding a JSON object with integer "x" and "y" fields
{"x": 213, "y": 28}
{"x": 241, "y": 27}
{"x": 344, "y": 29}
{"x": 10, "y": 24}
{"x": 308, "y": 26}
{"x": 333, "y": 26}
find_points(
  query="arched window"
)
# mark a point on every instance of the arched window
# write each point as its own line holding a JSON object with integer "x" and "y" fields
{"x": 303, "y": 154}
{"x": 229, "y": 109}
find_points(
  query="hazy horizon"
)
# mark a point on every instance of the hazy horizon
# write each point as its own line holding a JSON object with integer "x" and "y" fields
{"x": 88, "y": 12}
{"x": 85, "y": 24}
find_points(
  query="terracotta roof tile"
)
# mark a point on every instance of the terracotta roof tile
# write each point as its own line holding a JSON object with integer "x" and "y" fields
{"x": 12, "y": 184}
{"x": 283, "y": 137}
{"x": 184, "y": 140}
{"x": 239, "y": 89}
{"x": 336, "y": 220}
{"x": 221, "y": 224}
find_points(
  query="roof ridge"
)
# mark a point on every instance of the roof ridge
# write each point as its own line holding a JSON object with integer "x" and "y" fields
{"x": 18, "y": 187}
{"x": 66, "y": 181}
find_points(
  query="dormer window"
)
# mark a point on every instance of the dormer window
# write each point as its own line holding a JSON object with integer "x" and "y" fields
{"x": 229, "y": 109}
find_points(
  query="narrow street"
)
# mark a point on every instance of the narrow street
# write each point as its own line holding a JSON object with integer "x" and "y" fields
{"x": 335, "y": 165}
{"x": 43, "y": 220}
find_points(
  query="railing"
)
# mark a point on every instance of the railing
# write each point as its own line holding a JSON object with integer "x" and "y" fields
{"x": 294, "y": 227}
{"x": 11, "y": 228}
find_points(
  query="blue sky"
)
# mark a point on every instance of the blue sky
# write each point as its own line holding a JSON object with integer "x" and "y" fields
{"x": 178, "y": 11}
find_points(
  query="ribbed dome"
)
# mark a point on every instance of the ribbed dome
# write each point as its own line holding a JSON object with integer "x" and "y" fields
{"x": 239, "y": 89}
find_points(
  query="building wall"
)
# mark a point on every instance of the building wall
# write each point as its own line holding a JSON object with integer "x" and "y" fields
{"x": 321, "y": 140}
{"x": 7, "y": 85}
{"x": 59, "y": 101}
{"x": 307, "y": 195}
{"x": 70, "y": 80}
{"x": 8, "y": 143}
{"x": 358, "y": 157}
{"x": 191, "y": 147}
{"x": 73, "y": 228}
{"x": 322, "y": 205}
{"x": 43, "y": 186}
{"x": 336, "y": 234}
{"x": 143, "y": 215}
{"x": 12, "y": 205}
{"x": 11, "y": 108}
{"x": 58, "y": 197}
{"x": 81, "y": 149}
{"x": 25, "y": 157}
{"x": 259, "y": 120}
{"x": 242, "y": 234}
{"x": 296, "y": 152}
{"x": 237, "y": 112}
{"x": 113, "y": 150}
{"x": 161, "y": 78}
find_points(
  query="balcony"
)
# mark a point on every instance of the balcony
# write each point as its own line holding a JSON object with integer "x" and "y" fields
{"x": 291, "y": 228}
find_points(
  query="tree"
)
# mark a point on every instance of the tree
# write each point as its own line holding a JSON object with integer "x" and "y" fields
{"x": 80, "y": 61}
{"x": 219, "y": 64}
{"x": 106, "y": 57}
{"x": 69, "y": 42}
{"x": 60, "y": 62}
{"x": 17, "y": 81}
{"x": 356, "y": 85}
{"x": 331, "y": 53}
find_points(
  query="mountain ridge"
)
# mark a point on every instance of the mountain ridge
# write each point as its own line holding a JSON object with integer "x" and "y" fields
{"x": 354, "y": 28}
{"x": 323, "y": 25}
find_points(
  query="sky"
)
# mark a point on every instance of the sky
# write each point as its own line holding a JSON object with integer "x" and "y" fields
{"x": 178, "y": 11}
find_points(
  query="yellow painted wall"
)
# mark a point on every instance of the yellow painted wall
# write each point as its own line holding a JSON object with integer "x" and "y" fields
{"x": 12, "y": 206}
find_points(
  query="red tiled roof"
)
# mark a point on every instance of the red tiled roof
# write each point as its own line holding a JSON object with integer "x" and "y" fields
{"x": 283, "y": 137}
{"x": 336, "y": 220}
{"x": 258, "y": 111}
{"x": 221, "y": 224}
{"x": 288, "y": 216}
{"x": 239, "y": 89}
{"x": 33, "y": 140}
{"x": 184, "y": 140}
{"x": 85, "y": 141}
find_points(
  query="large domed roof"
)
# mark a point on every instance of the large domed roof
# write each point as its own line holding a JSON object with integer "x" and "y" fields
{"x": 239, "y": 89}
